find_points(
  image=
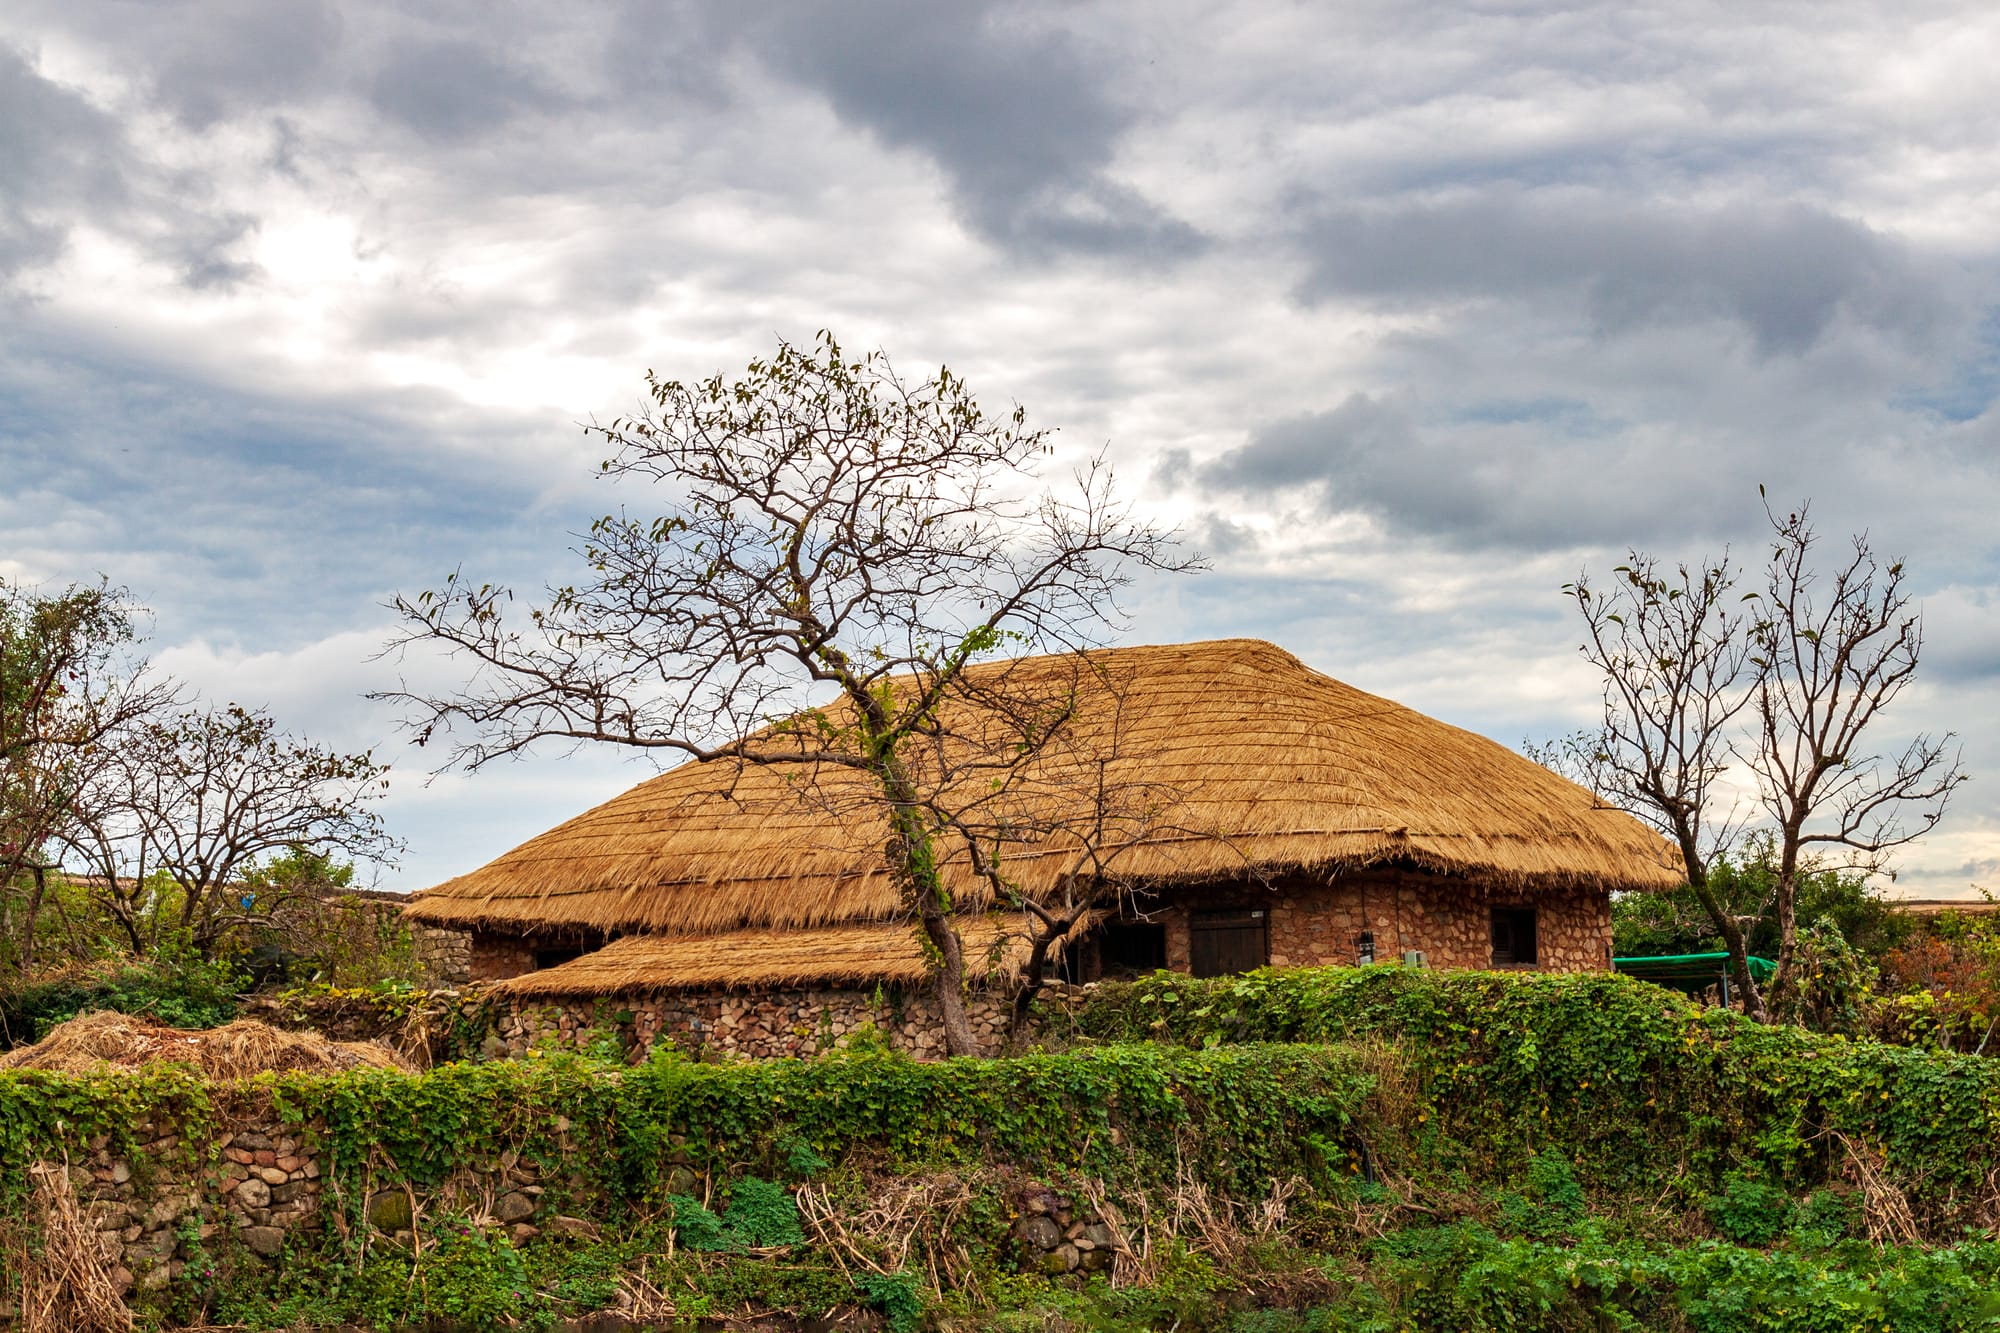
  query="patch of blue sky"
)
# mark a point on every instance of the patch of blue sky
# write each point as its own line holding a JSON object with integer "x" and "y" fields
{"x": 1572, "y": 416}
{"x": 1973, "y": 385}
{"x": 203, "y": 498}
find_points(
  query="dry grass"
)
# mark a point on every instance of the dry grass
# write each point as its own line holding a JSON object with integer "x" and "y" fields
{"x": 1273, "y": 767}
{"x": 106, "y": 1040}
{"x": 1145, "y": 1225}
{"x": 1886, "y": 1214}
{"x": 904, "y": 1226}
{"x": 827, "y": 956}
{"x": 65, "y": 1272}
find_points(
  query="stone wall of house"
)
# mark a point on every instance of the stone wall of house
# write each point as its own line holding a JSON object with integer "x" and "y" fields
{"x": 765, "y": 1024}
{"x": 1319, "y": 922}
{"x": 445, "y": 953}
{"x": 495, "y": 957}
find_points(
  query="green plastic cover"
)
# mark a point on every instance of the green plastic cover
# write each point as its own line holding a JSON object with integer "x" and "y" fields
{"x": 1696, "y": 967}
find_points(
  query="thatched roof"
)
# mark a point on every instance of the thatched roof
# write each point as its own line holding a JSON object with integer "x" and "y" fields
{"x": 1270, "y": 765}
{"x": 865, "y": 955}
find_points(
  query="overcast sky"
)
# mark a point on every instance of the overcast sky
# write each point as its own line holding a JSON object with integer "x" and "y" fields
{"x": 1405, "y": 312}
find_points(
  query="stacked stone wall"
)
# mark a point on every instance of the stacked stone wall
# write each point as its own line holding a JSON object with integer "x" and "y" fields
{"x": 446, "y": 954}
{"x": 154, "y": 1214}
{"x": 763, "y": 1024}
{"x": 1319, "y": 922}
{"x": 153, "y": 1217}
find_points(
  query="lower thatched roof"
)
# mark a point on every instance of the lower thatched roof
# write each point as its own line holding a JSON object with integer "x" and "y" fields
{"x": 834, "y": 956}
{"x": 1252, "y": 763}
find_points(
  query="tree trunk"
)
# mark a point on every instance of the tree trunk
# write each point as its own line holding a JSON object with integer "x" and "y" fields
{"x": 1031, "y": 985}
{"x": 1732, "y": 934}
{"x": 948, "y": 983}
{"x": 34, "y": 911}
{"x": 1788, "y": 921}
{"x": 912, "y": 855}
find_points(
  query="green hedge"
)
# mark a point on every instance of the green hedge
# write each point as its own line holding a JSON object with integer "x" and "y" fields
{"x": 1245, "y": 1114}
{"x": 1637, "y": 1084}
{"x": 1240, "y": 1116}
{"x": 1528, "y": 1113}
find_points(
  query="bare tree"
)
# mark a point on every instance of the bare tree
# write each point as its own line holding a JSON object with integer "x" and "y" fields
{"x": 1784, "y": 680}
{"x": 69, "y": 681}
{"x": 1830, "y": 655}
{"x": 1672, "y": 649}
{"x": 837, "y": 545}
{"x": 190, "y": 802}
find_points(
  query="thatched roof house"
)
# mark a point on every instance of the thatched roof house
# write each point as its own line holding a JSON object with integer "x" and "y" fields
{"x": 1310, "y": 823}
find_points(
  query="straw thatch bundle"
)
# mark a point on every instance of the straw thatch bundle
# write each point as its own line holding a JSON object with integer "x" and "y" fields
{"x": 93, "y": 1042}
{"x": 857, "y": 955}
{"x": 1271, "y": 767}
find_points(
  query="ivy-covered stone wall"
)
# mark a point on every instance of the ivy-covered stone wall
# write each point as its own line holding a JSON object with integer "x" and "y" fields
{"x": 180, "y": 1180}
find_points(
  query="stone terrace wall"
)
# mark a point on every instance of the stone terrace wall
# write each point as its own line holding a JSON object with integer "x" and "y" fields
{"x": 1316, "y": 923}
{"x": 760, "y": 1023}
{"x": 153, "y": 1219}
{"x": 154, "y": 1215}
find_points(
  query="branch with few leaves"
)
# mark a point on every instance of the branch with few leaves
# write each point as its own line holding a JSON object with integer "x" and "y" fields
{"x": 838, "y": 546}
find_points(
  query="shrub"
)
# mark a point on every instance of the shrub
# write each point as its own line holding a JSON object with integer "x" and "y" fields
{"x": 182, "y": 992}
{"x": 1637, "y": 1086}
{"x": 1749, "y": 1212}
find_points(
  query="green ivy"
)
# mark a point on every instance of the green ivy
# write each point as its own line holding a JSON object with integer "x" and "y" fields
{"x": 1118, "y": 1112}
{"x": 1636, "y": 1084}
{"x": 47, "y": 1116}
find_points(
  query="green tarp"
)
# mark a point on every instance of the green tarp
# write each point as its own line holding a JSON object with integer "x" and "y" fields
{"x": 1690, "y": 970}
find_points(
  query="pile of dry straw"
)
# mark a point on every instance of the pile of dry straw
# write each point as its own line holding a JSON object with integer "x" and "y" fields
{"x": 91, "y": 1043}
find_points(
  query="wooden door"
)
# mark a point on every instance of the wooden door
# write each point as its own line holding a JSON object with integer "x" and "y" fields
{"x": 1224, "y": 942}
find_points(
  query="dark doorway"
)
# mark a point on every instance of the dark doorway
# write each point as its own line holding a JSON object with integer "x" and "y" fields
{"x": 1222, "y": 943}
{"x": 1131, "y": 948}
{"x": 556, "y": 956}
{"x": 1513, "y": 937}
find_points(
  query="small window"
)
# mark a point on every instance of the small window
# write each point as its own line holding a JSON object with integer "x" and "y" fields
{"x": 1513, "y": 937}
{"x": 1223, "y": 943}
{"x": 555, "y": 957}
{"x": 1132, "y": 948}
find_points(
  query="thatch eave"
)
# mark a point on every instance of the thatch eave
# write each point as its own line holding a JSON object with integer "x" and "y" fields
{"x": 845, "y": 957}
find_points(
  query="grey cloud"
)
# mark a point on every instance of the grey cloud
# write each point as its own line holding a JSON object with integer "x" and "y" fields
{"x": 58, "y": 156}
{"x": 1514, "y": 479}
{"x": 206, "y": 60}
{"x": 62, "y": 159}
{"x": 1319, "y": 448}
{"x": 1015, "y": 116}
{"x": 202, "y": 250}
{"x": 1785, "y": 273}
{"x": 1015, "y": 111}
{"x": 208, "y": 500}
{"x": 453, "y": 89}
